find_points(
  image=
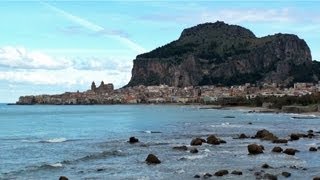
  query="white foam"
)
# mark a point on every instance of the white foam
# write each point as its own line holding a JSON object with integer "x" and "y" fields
{"x": 56, "y": 140}
{"x": 149, "y": 132}
{"x": 206, "y": 150}
{"x": 56, "y": 165}
{"x": 180, "y": 171}
{"x": 192, "y": 157}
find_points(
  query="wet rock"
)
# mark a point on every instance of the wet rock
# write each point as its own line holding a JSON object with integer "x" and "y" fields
{"x": 262, "y": 147}
{"x": 294, "y": 137}
{"x": 280, "y": 141}
{"x": 197, "y": 142}
{"x": 310, "y": 131}
{"x": 313, "y": 149}
{"x": 290, "y": 151}
{"x": 196, "y": 176}
{"x": 207, "y": 175}
{"x": 243, "y": 136}
{"x": 255, "y": 149}
{"x": 270, "y": 176}
{"x": 266, "y": 166}
{"x": 265, "y": 135}
{"x": 152, "y": 159}
{"x": 194, "y": 150}
{"x": 316, "y": 178}
{"x": 100, "y": 170}
{"x": 277, "y": 149}
{"x": 180, "y": 148}
{"x": 63, "y": 178}
{"x": 286, "y": 174}
{"x": 221, "y": 173}
{"x": 222, "y": 141}
{"x": 133, "y": 140}
{"x": 250, "y": 123}
{"x": 212, "y": 139}
{"x": 236, "y": 172}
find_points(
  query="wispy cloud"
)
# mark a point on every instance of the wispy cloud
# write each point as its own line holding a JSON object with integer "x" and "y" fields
{"x": 97, "y": 29}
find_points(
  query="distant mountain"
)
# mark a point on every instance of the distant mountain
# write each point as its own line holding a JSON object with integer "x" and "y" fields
{"x": 219, "y": 53}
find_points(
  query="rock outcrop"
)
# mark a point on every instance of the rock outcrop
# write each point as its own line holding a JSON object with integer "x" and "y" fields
{"x": 219, "y": 53}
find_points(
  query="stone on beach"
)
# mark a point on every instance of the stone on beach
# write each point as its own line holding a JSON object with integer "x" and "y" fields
{"x": 212, "y": 139}
{"x": 265, "y": 135}
{"x": 197, "y": 142}
{"x": 270, "y": 176}
{"x": 277, "y": 149}
{"x": 221, "y": 173}
{"x": 255, "y": 149}
{"x": 280, "y": 141}
{"x": 194, "y": 150}
{"x": 243, "y": 136}
{"x": 133, "y": 140}
{"x": 63, "y": 178}
{"x": 313, "y": 149}
{"x": 290, "y": 151}
{"x": 294, "y": 137}
{"x": 152, "y": 159}
{"x": 181, "y": 148}
{"x": 236, "y": 172}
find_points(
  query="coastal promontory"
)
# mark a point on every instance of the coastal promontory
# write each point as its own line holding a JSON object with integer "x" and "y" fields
{"x": 219, "y": 53}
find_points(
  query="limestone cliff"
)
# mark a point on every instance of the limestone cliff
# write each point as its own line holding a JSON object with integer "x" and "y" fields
{"x": 218, "y": 53}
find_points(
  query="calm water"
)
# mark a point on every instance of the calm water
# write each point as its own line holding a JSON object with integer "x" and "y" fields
{"x": 89, "y": 142}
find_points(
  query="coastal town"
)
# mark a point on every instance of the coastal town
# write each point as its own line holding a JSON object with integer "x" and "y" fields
{"x": 106, "y": 94}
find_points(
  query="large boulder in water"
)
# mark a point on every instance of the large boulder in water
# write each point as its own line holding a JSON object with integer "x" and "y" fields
{"x": 152, "y": 159}
{"x": 265, "y": 135}
{"x": 133, "y": 140}
{"x": 212, "y": 139}
{"x": 197, "y": 142}
{"x": 290, "y": 151}
{"x": 277, "y": 149}
{"x": 221, "y": 173}
{"x": 63, "y": 178}
{"x": 255, "y": 149}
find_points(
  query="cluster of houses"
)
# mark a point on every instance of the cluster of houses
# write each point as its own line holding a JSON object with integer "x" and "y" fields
{"x": 106, "y": 94}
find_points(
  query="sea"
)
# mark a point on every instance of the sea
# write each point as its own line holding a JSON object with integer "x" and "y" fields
{"x": 91, "y": 142}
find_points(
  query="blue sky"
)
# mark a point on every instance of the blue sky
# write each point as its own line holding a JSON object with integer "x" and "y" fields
{"x": 57, "y": 46}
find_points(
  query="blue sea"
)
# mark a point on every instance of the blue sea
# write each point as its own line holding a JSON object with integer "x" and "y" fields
{"x": 90, "y": 142}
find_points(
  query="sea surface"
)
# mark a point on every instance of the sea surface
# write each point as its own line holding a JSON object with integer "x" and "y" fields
{"x": 90, "y": 142}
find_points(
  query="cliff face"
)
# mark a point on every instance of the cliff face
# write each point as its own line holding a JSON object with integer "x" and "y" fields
{"x": 218, "y": 53}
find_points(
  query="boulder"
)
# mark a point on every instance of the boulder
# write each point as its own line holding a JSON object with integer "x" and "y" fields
{"x": 236, "y": 172}
{"x": 313, "y": 149}
{"x": 222, "y": 141}
{"x": 196, "y": 176}
{"x": 286, "y": 174}
{"x": 316, "y": 178}
{"x": 207, "y": 175}
{"x": 280, "y": 141}
{"x": 133, "y": 140}
{"x": 266, "y": 166}
{"x": 255, "y": 149}
{"x": 290, "y": 151}
{"x": 152, "y": 159}
{"x": 277, "y": 149}
{"x": 265, "y": 135}
{"x": 294, "y": 137}
{"x": 63, "y": 178}
{"x": 221, "y": 173}
{"x": 194, "y": 150}
{"x": 243, "y": 136}
{"x": 270, "y": 176}
{"x": 180, "y": 148}
{"x": 197, "y": 142}
{"x": 212, "y": 139}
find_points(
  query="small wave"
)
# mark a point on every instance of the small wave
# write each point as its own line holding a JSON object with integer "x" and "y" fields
{"x": 193, "y": 157}
{"x": 151, "y": 132}
{"x": 101, "y": 155}
{"x": 54, "y": 140}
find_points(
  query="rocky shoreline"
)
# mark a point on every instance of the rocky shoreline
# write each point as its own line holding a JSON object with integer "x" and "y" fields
{"x": 266, "y": 171}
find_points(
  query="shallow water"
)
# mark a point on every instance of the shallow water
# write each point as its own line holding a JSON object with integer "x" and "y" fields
{"x": 90, "y": 142}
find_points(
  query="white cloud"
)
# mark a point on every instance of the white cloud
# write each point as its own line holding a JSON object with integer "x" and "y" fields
{"x": 20, "y": 65}
{"x": 21, "y": 58}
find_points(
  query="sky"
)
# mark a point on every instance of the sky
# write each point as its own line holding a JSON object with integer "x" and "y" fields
{"x": 50, "y": 47}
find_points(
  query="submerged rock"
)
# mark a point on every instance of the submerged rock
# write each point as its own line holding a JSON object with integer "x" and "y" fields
{"x": 197, "y": 142}
{"x": 196, "y": 176}
{"x": 133, "y": 140}
{"x": 313, "y": 149}
{"x": 207, "y": 175}
{"x": 280, "y": 141}
{"x": 277, "y": 149}
{"x": 266, "y": 166}
{"x": 286, "y": 174}
{"x": 194, "y": 150}
{"x": 221, "y": 173}
{"x": 180, "y": 148}
{"x": 270, "y": 176}
{"x": 294, "y": 137}
{"x": 255, "y": 149}
{"x": 290, "y": 151}
{"x": 236, "y": 172}
{"x": 152, "y": 159}
{"x": 243, "y": 136}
